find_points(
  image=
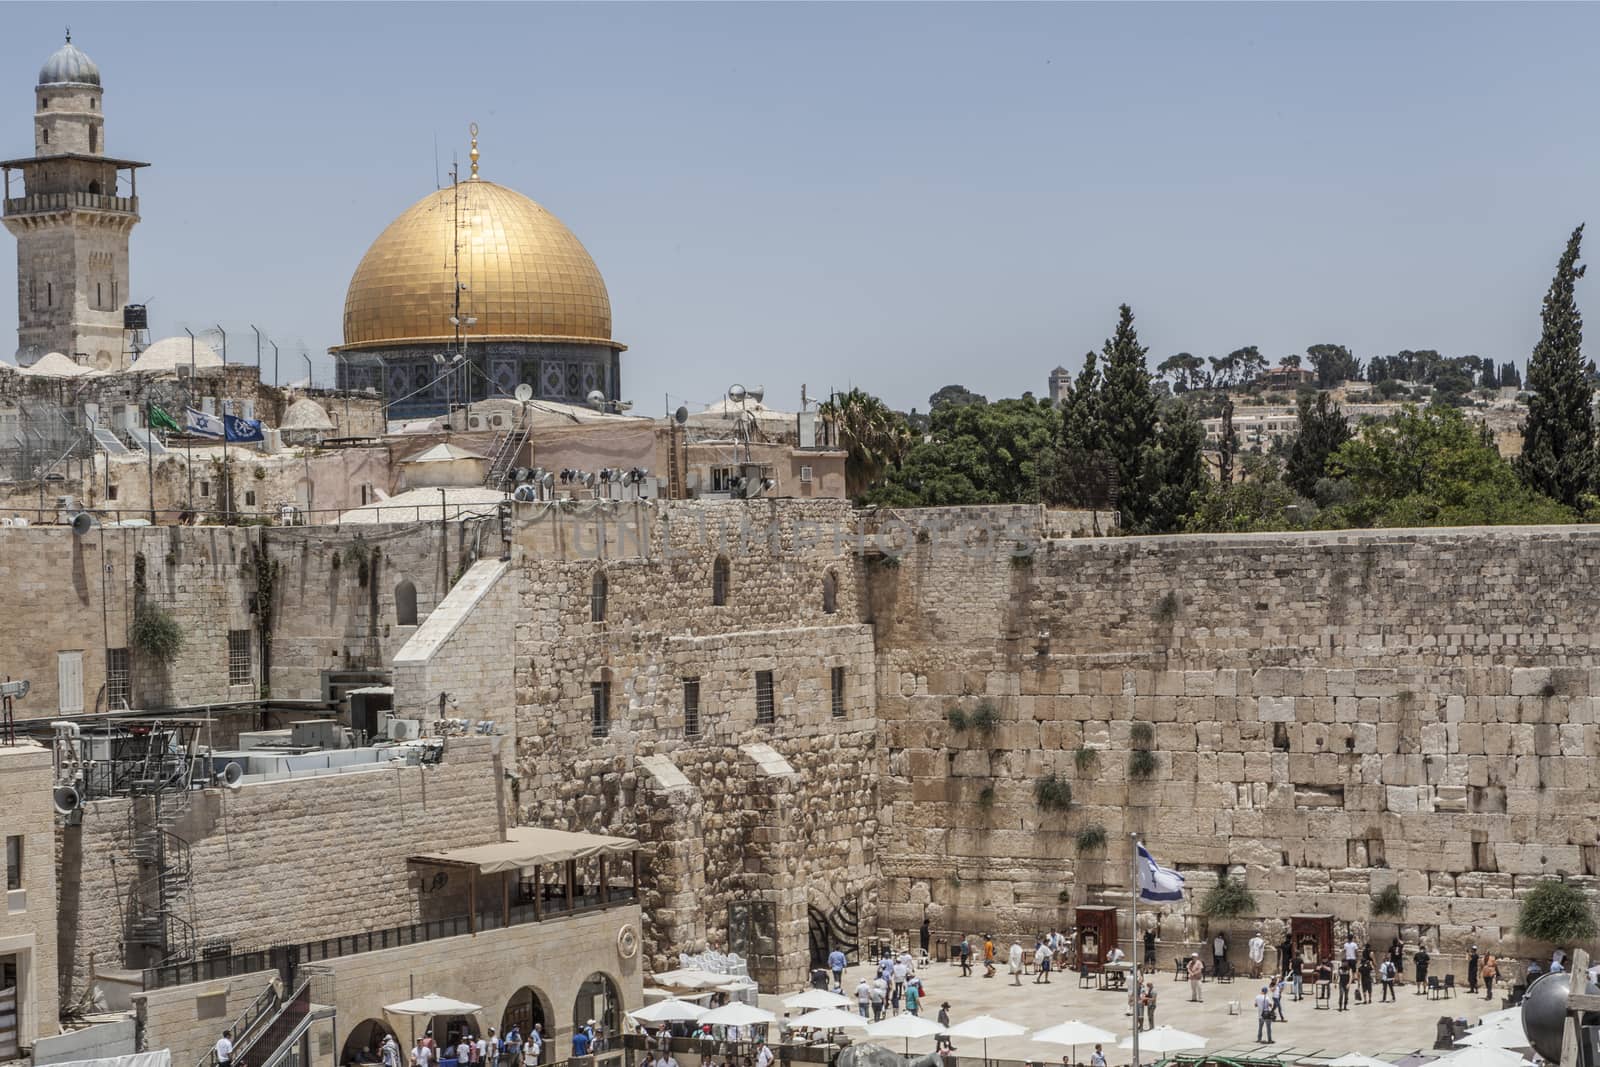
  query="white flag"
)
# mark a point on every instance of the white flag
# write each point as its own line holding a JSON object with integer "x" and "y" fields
{"x": 198, "y": 422}
{"x": 1157, "y": 882}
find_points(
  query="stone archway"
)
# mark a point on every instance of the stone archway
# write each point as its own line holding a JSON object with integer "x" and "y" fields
{"x": 526, "y": 1008}
{"x": 363, "y": 1043}
{"x": 599, "y": 1000}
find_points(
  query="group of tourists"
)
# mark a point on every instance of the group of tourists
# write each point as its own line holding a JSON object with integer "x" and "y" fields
{"x": 894, "y": 983}
{"x": 485, "y": 1050}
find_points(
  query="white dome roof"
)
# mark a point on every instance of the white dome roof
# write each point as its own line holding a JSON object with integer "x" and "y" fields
{"x": 171, "y": 353}
{"x": 306, "y": 414}
{"x": 56, "y": 365}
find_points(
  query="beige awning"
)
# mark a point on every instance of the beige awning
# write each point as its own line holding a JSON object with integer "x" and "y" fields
{"x": 526, "y": 846}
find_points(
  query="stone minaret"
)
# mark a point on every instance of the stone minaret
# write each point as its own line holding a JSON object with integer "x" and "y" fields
{"x": 71, "y": 219}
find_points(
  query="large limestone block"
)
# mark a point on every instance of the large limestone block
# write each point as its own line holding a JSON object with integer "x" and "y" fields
{"x": 1275, "y": 708}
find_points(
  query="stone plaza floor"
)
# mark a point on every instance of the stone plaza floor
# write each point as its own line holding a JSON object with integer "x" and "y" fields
{"x": 1389, "y": 1031}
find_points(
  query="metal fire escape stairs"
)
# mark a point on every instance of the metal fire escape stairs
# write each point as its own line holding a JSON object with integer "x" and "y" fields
{"x": 503, "y": 457}
{"x": 158, "y": 909}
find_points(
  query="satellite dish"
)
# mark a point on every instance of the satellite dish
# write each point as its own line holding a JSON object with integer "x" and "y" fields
{"x": 680, "y": 416}
{"x": 596, "y": 398}
{"x": 1544, "y": 1013}
{"x": 67, "y": 799}
{"x": 758, "y": 393}
{"x": 231, "y": 775}
{"x": 524, "y": 392}
{"x": 736, "y": 393}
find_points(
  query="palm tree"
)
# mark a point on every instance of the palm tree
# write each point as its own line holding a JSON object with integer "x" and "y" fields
{"x": 873, "y": 436}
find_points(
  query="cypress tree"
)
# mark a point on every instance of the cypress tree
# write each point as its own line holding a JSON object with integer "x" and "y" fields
{"x": 1131, "y": 420}
{"x": 1558, "y": 437}
{"x": 1322, "y": 430}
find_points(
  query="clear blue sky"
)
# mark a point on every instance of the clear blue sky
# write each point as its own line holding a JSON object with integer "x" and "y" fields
{"x": 893, "y": 196}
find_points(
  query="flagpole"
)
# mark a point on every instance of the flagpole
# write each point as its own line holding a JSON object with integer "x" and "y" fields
{"x": 1133, "y": 842}
{"x": 149, "y": 456}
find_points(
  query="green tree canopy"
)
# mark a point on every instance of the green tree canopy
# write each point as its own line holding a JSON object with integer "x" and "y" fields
{"x": 1333, "y": 364}
{"x": 1558, "y": 438}
{"x": 1131, "y": 420}
{"x": 1323, "y": 430}
{"x": 977, "y": 453}
{"x": 955, "y": 394}
{"x": 872, "y": 435}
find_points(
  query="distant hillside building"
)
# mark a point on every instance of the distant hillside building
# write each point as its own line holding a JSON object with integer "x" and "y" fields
{"x": 1060, "y": 385}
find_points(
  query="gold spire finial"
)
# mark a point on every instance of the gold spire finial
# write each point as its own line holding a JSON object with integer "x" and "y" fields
{"x": 474, "y": 128}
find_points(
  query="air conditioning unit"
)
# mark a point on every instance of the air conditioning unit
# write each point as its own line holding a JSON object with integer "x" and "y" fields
{"x": 402, "y": 729}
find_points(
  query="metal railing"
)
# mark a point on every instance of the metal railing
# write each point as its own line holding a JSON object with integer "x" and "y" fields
{"x": 263, "y": 1008}
{"x": 289, "y": 958}
{"x": 209, "y": 512}
{"x": 67, "y": 201}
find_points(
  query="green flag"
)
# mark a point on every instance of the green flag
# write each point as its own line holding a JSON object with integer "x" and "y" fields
{"x": 161, "y": 420}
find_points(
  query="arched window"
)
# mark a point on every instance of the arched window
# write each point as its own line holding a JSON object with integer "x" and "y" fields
{"x": 830, "y": 593}
{"x": 597, "y": 597}
{"x": 719, "y": 581}
{"x": 405, "y": 604}
{"x": 94, "y": 187}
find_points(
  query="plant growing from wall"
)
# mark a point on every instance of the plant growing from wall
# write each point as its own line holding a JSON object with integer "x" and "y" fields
{"x": 956, "y": 717}
{"x": 265, "y": 571}
{"x": 1022, "y": 560}
{"x": 1166, "y": 608}
{"x": 1142, "y": 764}
{"x": 1091, "y": 837}
{"x": 986, "y": 797}
{"x": 1085, "y": 759}
{"x": 1228, "y": 899}
{"x": 985, "y": 717}
{"x": 1388, "y": 901}
{"x": 155, "y": 633}
{"x": 1557, "y": 912}
{"x": 1052, "y": 793}
{"x": 1141, "y": 735}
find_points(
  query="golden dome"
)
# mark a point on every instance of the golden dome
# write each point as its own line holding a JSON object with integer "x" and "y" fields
{"x": 525, "y": 274}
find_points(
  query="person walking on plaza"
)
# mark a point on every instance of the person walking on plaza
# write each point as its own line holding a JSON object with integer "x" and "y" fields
{"x": 913, "y": 996}
{"x": 1150, "y": 947}
{"x": 1491, "y": 971}
{"x": 1149, "y": 999}
{"x": 1277, "y": 998}
{"x": 1472, "y": 970}
{"x": 1219, "y": 954}
{"x": 1386, "y": 978}
{"x": 1258, "y": 953}
{"x": 1014, "y": 962}
{"x": 864, "y": 998}
{"x": 1263, "y": 1016}
{"x": 1196, "y": 973}
{"x": 1351, "y": 949}
{"x": 1297, "y": 977}
{"x": 836, "y": 963}
{"x": 925, "y": 936}
{"x": 1098, "y": 1059}
{"x": 879, "y": 993}
{"x": 1421, "y": 961}
{"x": 965, "y": 952}
{"x": 1365, "y": 971}
{"x": 1344, "y": 987}
{"x": 988, "y": 956}
{"x": 944, "y": 1014}
{"x": 1285, "y": 954}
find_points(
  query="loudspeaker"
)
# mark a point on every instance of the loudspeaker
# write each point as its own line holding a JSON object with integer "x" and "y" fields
{"x": 67, "y": 799}
{"x": 231, "y": 775}
{"x": 83, "y": 522}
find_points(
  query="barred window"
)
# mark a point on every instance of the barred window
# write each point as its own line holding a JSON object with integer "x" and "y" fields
{"x": 119, "y": 684}
{"x": 838, "y": 692}
{"x": 600, "y": 721}
{"x": 597, "y": 598}
{"x": 764, "y": 709}
{"x": 238, "y": 657}
{"x": 830, "y": 593}
{"x": 719, "y": 582}
{"x": 691, "y": 707}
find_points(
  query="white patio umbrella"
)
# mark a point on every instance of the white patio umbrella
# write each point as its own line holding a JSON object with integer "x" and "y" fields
{"x": 1356, "y": 1059}
{"x": 1164, "y": 1039}
{"x": 905, "y": 1026}
{"x": 1480, "y": 1056}
{"x": 693, "y": 978}
{"x": 1073, "y": 1033}
{"x": 671, "y": 1010}
{"x": 1506, "y": 1034}
{"x": 737, "y": 1013}
{"x": 817, "y": 998}
{"x": 828, "y": 1019}
{"x": 983, "y": 1027}
{"x": 432, "y": 1004}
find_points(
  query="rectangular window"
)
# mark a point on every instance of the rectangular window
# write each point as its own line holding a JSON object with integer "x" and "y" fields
{"x": 600, "y": 722}
{"x": 838, "y": 692}
{"x": 14, "y": 861}
{"x": 238, "y": 657}
{"x": 691, "y": 707}
{"x": 722, "y": 479}
{"x": 69, "y": 681}
{"x": 119, "y": 685}
{"x": 111, "y": 492}
{"x": 764, "y": 709}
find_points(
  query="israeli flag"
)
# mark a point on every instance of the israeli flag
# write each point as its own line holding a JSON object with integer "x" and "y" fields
{"x": 1155, "y": 881}
{"x": 198, "y": 422}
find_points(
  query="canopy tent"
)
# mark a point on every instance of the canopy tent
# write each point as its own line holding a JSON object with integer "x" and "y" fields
{"x": 526, "y": 846}
{"x": 695, "y": 978}
{"x": 432, "y": 1004}
{"x": 828, "y": 1019}
{"x": 1480, "y": 1056}
{"x": 983, "y": 1027}
{"x": 1073, "y": 1033}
